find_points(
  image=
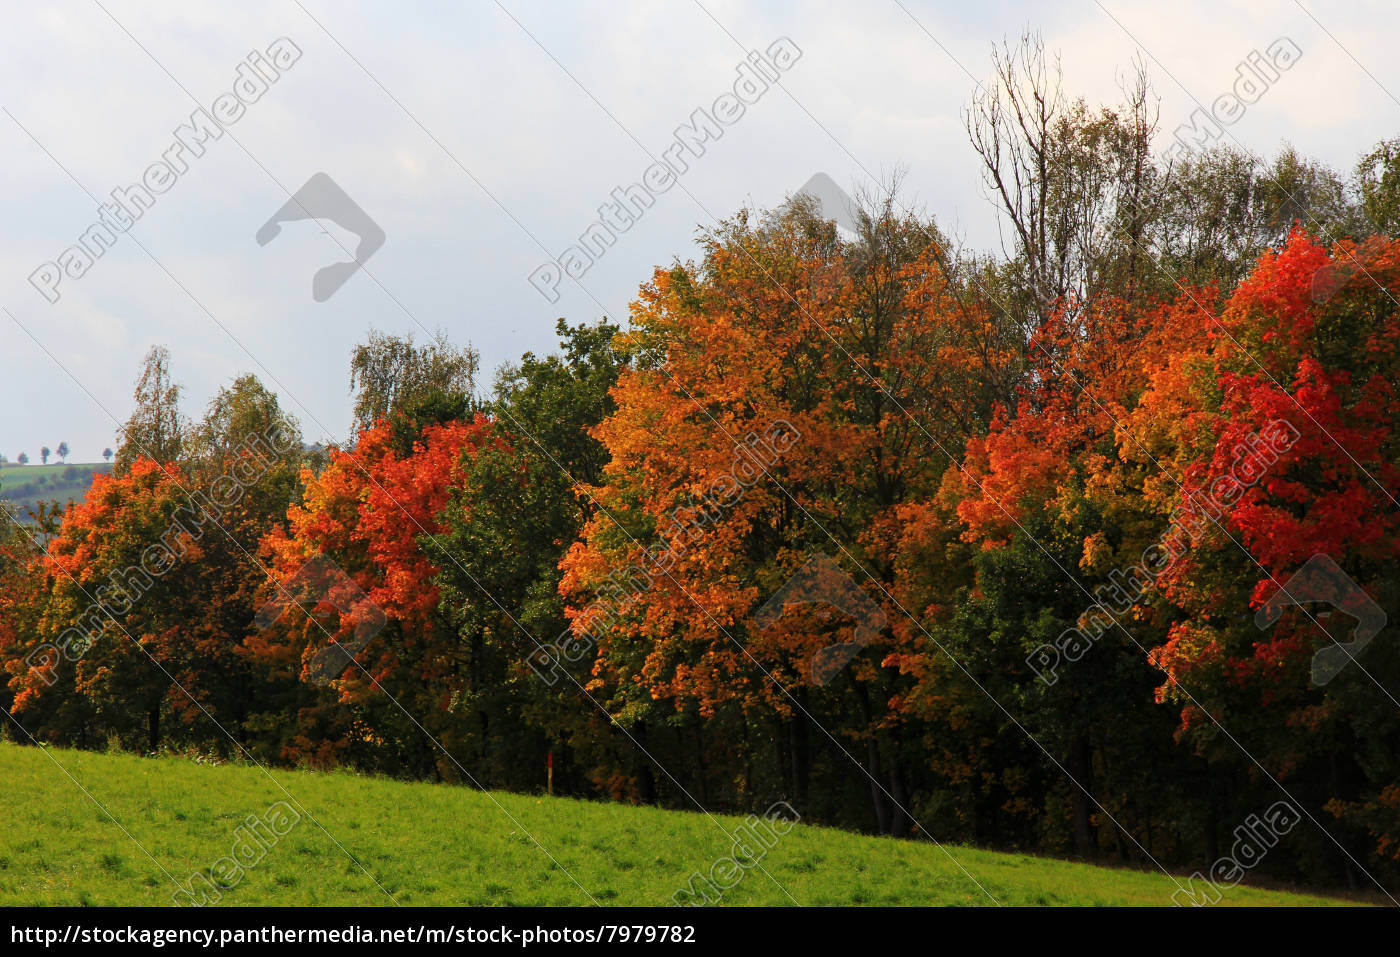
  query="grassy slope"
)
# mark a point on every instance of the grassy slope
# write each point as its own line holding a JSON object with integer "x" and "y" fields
{"x": 435, "y": 844}
{"x": 17, "y": 483}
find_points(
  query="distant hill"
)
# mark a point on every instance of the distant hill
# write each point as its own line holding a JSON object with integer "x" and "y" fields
{"x": 23, "y": 487}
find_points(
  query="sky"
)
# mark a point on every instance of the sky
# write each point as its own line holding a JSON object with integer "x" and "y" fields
{"x": 482, "y": 138}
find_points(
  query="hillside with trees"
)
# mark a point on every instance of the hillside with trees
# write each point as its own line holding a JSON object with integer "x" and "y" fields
{"x": 1030, "y": 548}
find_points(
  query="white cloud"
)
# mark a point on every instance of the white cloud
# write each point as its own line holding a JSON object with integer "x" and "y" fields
{"x": 885, "y": 91}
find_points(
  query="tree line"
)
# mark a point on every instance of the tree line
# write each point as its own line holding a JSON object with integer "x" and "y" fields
{"x": 62, "y": 452}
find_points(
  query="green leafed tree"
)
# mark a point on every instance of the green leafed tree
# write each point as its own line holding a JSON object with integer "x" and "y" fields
{"x": 155, "y": 429}
{"x": 390, "y": 373}
{"x": 507, "y": 527}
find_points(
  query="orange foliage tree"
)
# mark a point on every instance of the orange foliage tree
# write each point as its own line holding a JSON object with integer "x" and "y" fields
{"x": 361, "y": 525}
{"x": 790, "y": 394}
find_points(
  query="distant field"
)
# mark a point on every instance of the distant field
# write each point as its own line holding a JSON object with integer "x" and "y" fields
{"x": 435, "y": 844}
{"x": 24, "y": 486}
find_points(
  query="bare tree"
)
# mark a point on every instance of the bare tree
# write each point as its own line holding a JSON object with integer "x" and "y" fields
{"x": 1010, "y": 122}
{"x": 1077, "y": 187}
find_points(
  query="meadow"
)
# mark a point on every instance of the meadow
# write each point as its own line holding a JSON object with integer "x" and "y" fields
{"x": 24, "y": 486}
{"x": 88, "y": 828}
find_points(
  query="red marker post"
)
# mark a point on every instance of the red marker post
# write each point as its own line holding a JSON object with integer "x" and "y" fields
{"x": 549, "y": 763}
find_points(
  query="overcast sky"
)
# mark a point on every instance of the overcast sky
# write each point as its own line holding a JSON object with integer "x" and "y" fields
{"x": 483, "y": 147}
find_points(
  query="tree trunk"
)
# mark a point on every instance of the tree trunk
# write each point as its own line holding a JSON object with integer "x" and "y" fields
{"x": 877, "y": 794}
{"x": 153, "y": 727}
{"x": 800, "y": 740}
{"x": 872, "y": 760}
{"x": 1081, "y": 802}
{"x": 1212, "y": 824}
{"x": 646, "y": 780}
{"x": 700, "y": 771}
{"x": 901, "y": 823}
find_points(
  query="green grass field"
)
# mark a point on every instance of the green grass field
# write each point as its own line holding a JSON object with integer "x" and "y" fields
{"x": 437, "y": 844}
{"x": 20, "y": 485}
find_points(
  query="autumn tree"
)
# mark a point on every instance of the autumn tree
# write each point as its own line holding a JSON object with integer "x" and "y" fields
{"x": 1058, "y": 652}
{"x": 152, "y": 580}
{"x": 365, "y": 517}
{"x": 779, "y": 406}
{"x": 108, "y": 618}
{"x": 1315, "y": 364}
{"x": 21, "y": 600}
